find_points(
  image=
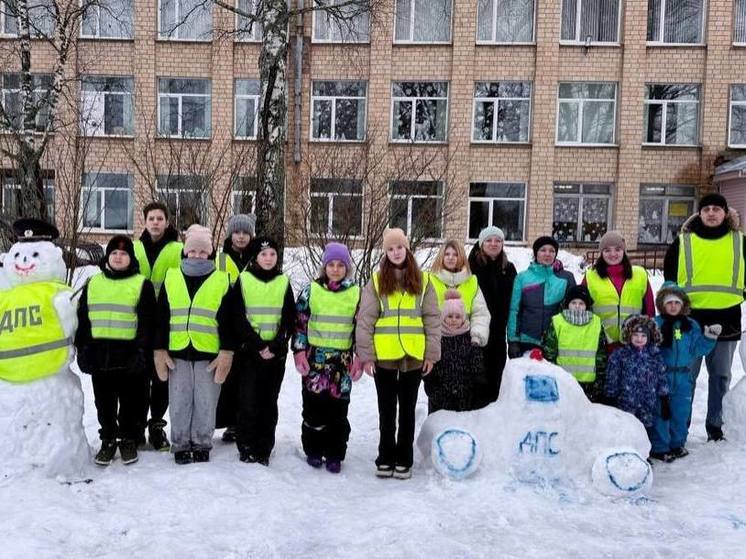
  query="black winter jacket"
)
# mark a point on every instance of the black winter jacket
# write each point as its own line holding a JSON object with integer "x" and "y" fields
{"x": 496, "y": 284}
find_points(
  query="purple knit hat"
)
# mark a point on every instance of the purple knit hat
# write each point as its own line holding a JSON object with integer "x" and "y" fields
{"x": 337, "y": 251}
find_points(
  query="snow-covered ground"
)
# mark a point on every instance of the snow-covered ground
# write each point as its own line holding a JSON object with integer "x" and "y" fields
{"x": 227, "y": 509}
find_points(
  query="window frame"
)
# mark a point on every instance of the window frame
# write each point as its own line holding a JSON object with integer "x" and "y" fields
{"x": 662, "y": 23}
{"x": 491, "y": 200}
{"x": 3, "y": 17}
{"x": 334, "y": 99}
{"x": 735, "y": 21}
{"x": 161, "y": 194}
{"x": 315, "y": 39}
{"x": 494, "y": 28}
{"x": 255, "y": 29}
{"x": 582, "y": 101}
{"x": 496, "y": 101}
{"x": 578, "y": 17}
{"x": 665, "y": 102}
{"x": 666, "y": 198}
{"x": 48, "y": 178}
{"x": 412, "y": 136}
{"x": 181, "y": 135}
{"x": 236, "y": 97}
{"x": 90, "y": 191}
{"x": 43, "y": 109}
{"x": 83, "y": 126}
{"x": 581, "y": 196}
{"x": 98, "y": 36}
{"x": 731, "y": 102}
{"x": 161, "y": 36}
{"x": 330, "y": 196}
{"x": 440, "y": 198}
{"x": 411, "y": 40}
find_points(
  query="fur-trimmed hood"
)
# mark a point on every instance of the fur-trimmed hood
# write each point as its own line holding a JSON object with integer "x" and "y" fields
{"x": 636, "y": 321}
{"x": 669, "y": 288}
{"x": 732, "y": 219}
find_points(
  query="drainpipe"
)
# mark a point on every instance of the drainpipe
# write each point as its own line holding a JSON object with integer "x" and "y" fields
{"x": 298, "y": 78}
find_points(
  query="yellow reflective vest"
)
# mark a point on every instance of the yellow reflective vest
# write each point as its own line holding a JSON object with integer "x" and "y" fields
{"x": 32, "y": 341}
{"x": 112, "y": 306}
{"x": 711, "y": 271}
{"x": 225, "y": 263}
{"x": 399, "y": 330}
{"x": 169, "y": 257}
{"x": 468, "y": 291}
{"x": 263, "y": 303}
{"x": 577, "y": 347}
{"x": 613, "y": 308}
{"x": 332, "y": 319}
{"x": 195, "y": 320}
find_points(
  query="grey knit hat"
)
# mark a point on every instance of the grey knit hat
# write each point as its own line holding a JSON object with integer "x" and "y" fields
{"x": 241, "y": 222}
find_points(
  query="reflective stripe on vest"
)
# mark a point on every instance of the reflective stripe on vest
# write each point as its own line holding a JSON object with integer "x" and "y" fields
{"x": 468, "y": 291}
{"x": 32, "y": 341}
{"x": 711, "y": 271}
{"x": 169, "y": 257}
{"x": 225, "y": 263}
{"x": 332, "y": 318}
{"x": 399, "y": 330}
{"x": 195, "y": 320}
{"x": 263, "y": 303}
{"x": 112, "y": 306}
{"x": 577, "y": 347}
{"x": 610, "y": 306}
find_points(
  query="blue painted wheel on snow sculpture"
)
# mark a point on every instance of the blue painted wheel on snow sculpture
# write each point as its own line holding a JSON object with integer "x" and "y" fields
{"x": 622, "y": 473}
{"x": 456, "y": 453}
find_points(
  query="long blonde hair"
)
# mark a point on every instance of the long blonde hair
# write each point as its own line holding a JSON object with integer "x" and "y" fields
{"x": 461, "y": 260}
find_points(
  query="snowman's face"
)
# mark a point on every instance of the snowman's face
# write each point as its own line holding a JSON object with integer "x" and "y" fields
{"x": 32, "y": 262}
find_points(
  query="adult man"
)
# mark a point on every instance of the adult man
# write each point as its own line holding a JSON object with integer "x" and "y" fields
{"x": 707, "y": 261}
{"x": 157, "y": 250}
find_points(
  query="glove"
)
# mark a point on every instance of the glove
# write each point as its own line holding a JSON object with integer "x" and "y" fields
{"x": 356, "y": 369}
{"x": 301, "y": 363}
{"x": 221, "y": 365}
{"x": 713, "y": 331}
{"x": 665, "y": 408}
{"x": 514, "y": 350}
{"x": 163, "y": 363}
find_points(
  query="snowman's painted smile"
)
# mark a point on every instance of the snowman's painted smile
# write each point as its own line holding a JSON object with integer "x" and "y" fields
{"x": 25, "y": 270}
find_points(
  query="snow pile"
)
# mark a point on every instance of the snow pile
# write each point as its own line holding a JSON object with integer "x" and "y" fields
{"x": 734, "y": 412}
{"x": 543, "y": 429}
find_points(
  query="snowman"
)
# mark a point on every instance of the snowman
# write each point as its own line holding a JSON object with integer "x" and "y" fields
{"x": 41, "y": 400}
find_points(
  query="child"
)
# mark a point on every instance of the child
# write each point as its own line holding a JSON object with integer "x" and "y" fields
{"x": 325, "y": 327}
{"x": 683, "y": 342}
{"x": 452, "y": 384}
{"x": 636, "y": 379}
{"x": 576, "y": 342}
{"x": 266, "y": 297}
{"x": 115, "y": 317}
{"x": 398, "y": 340}
{"x": 193, "y": 339}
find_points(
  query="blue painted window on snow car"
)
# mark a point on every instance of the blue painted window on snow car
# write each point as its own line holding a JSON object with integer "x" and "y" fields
{"x": 541, "y": 388}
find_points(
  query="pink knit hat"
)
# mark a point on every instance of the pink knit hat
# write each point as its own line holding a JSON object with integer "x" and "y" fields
{"x": 197, "y": 237}
{"x": 453, "y": 304}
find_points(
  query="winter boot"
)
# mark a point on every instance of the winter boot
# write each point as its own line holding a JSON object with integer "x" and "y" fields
{"x": 714, "y": 433}
{"x": 107, "y": 452}
{"x": 333, "y": 466}
{"x": 384, "y": 470}
{"x": 182, "y": 457}
{"x": 402, "y": 472}
{"x": 128, "y": 451}
{"x": 229, "y": 435}
{"x": 662, "y": 456}
{"x": 245, "y": 455}
{"x": 679, "y": 452}
{"x": 201, "y": 455}
{"x": 157, "y": 436}
{"x": 314, "y": 461}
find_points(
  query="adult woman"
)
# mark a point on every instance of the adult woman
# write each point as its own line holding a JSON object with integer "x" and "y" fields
{"x": 537, "y": 295}
{"x": 618, "y": 288}
{"x": 495, "y": 275}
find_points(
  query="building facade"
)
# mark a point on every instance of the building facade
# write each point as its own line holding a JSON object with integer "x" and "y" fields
{"x": 567, "y": 117}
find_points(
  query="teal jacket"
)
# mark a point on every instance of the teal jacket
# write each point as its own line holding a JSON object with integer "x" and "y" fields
{"x": 538, "y": 293}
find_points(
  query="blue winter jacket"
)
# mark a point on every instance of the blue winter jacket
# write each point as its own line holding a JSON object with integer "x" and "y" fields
{"x": 537, "y": 295}
{"x": 635, "y": 379}
{"x": 685, "y": 346}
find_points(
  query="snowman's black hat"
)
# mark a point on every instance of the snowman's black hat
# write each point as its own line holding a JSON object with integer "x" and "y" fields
{"x": 29, "y": 229}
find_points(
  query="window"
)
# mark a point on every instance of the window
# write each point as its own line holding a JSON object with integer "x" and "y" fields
{"x": 590, "y": 21}
{"x": 108, "y": 19}
{"x": 184, "y": 107}
{"x": 672, "y": 114}
{"x": 185, "y": 20}
{"x": 419, "y": 111}
{"x": 11, "y": 194}
{"x": 505, "y": 21}
{"x": 417, "y": 208}
{"x": 675, "y": 21}
{"x": 338, "y": 111}
{"x": 185, "y": 197}
{"x": 337, "y": 207}
{"x": 12, "y": 103}
{"x": 497, "y": 203}
{"x": 243, "y": 195}
{"x": 352, "y": 27}
{"x": 581, "y": 211}
{"x": 586, "y": 113}
{"x": 106, "y": 106}
{"x": 41, "y": 13}
{"x": 107, "y": 201}
{"x": 423, "y": 21}
{"x": 663, "y": 210}
{"x": 737, "y": 121}
{"x": 8, "y": 18}
{"x": 246, "y": 109}
{"x": 246, "y": 29}
{"x": 501, "y": 111}
{"x": 739, "y": 22}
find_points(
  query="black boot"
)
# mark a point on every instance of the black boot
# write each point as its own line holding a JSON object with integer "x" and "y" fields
{"x": 201, "y": 455}
{"x": 157, "y": 435}
{"x": 107, "y": 452}
{"x": 714, "y": 433}
{"x": 229, "y": 435}
{"x": 128, "y": 451}
{"x": 182, "y": 457}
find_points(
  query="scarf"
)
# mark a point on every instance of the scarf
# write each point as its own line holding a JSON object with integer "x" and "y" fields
{"x": 195, "y": 267}
{"x": 448, "y": 332}
{"x": 578, "y": 318}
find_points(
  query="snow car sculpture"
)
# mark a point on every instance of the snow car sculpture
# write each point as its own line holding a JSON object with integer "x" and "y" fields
{"x": 734, "y": 412}
{"x": 542, "y": 429}
{"x": 41, "y": 401}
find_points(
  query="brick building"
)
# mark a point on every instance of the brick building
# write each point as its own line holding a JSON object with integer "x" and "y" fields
{"x": 564, "y": 116}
